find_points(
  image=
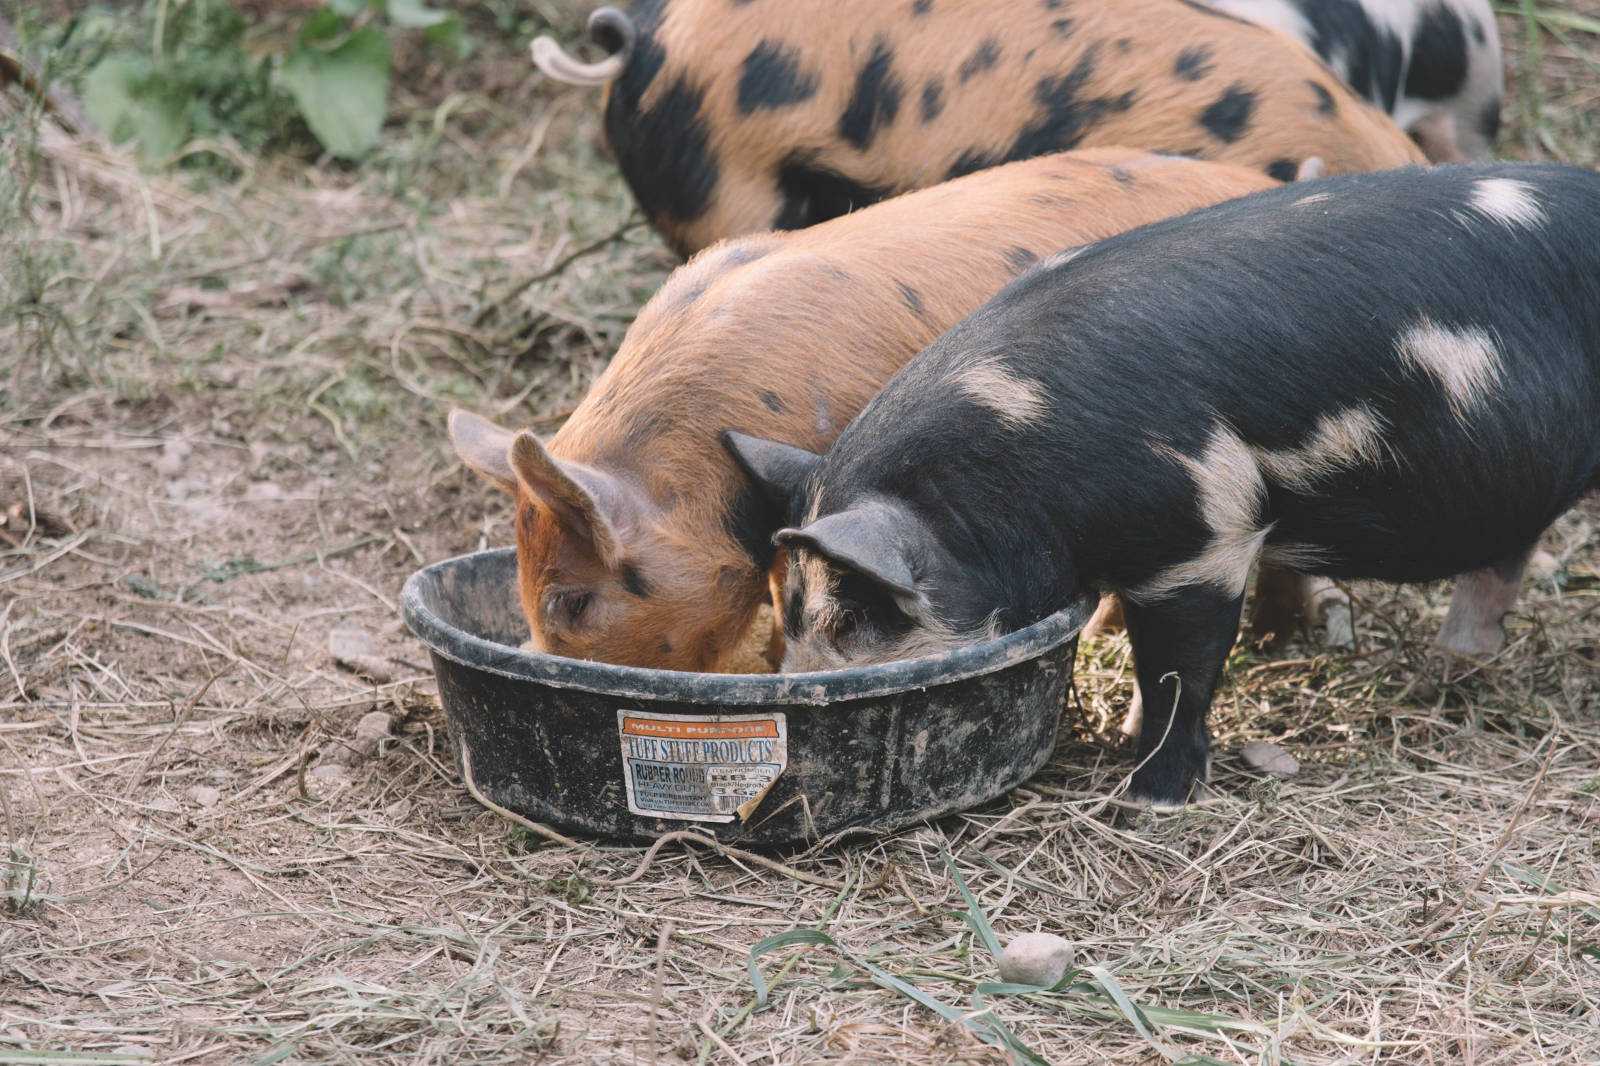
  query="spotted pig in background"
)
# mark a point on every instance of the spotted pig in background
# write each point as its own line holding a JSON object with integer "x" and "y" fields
{"x": 728, "y": 118}
{"x": 1433, "y": 64}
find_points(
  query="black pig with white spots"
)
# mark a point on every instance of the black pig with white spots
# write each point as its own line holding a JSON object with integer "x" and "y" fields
{"x": 1391, "y": 376}
{"x": 1434, "y": 65}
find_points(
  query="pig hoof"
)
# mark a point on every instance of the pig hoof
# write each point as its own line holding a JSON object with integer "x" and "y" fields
{"x": 1482, "y": 642}
{"x": 1339, "y": 629}
{"x": 1166, "y": 783}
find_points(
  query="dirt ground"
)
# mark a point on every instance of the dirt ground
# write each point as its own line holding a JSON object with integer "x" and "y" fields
{"x": 221, "y": 439}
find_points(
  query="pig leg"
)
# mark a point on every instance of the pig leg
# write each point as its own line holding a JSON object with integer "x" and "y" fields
{"x": 1107, "y": 617}
{"x": 1472, "y": 629}
{"x": 1284, "y": 599}
{"x": 1180, "y": 645}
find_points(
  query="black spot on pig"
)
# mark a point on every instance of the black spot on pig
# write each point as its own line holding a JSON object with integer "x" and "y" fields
{"x": 1062, "y": 26}
{"x": 1229, "y": 117}
{"x": 1489, "y": 120}
{"x": 932, "y": 99}
{"x": 1438, "y": 54}
{"x": 1065, "y": 116}
{"x": 1124, "y": 44}
{"x": 771, "y": 78}
{"x": 1193, "y": 63}
{"x": 689, "y": 296}
{"x": 1053, "y": 5}
{"x": 1123, "y": 176}
{"x": 983, "y": 58}
{"x": 911, "y": 298}
{"x": 664, "y": 151}
{"x": 921, "y": 7}
{"x": 741, "y": 254}
{"x": 876, "y": 99}
{"x": 1341, "y": 31}
{"x": 813, "y": 193}
{"x": 1020, "y": 258}
{"x": 634, "y": 581}
{"x": 971, "y": 161}
{"x": 1326, "y": 105}
{"x": 772, "y": 402}
{"x": 1282, "y": 169}
{"x": 1477, "y": 31}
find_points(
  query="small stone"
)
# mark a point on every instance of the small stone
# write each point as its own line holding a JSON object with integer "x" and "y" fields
{"x": 355, "y": 649}
{"x": 264, "y": 490}
{"x": 397, "y": 811}
{"x": 1269, "y": 759}
{"x": 164, "y": 804}
{"x": 1036, "y": 959}
{"x": 370, "y": 733}
{"x": 205, "y": 795}
{"x": 328, "y": 771}
{"x": 131, "y": 1051}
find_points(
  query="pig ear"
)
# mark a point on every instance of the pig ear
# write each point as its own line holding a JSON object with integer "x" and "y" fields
{"x": 780, "y": 470}
{"x": 1310, "y": 169}
{"x": 869, "y": 540}
{"x": 484, "y": 447}
{"x": 579, "y": 508}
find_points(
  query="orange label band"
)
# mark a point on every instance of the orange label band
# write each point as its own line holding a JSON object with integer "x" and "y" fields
{"x": 676, "y": 729}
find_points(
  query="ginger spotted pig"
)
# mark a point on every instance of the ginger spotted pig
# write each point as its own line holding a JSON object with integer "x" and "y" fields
{"x": 1385, "y": 376}
{"x": 730, "y": 118}
{"x": 639, "y": 541}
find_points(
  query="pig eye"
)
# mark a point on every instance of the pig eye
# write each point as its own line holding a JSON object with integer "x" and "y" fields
{"x": 849, "y": 621}
{"x": 566, "y": 607}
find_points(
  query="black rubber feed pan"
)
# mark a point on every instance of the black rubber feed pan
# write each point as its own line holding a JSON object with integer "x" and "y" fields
{"x": 760, "y": 759}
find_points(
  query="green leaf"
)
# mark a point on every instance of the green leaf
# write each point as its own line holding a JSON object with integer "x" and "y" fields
{"x": 348, "y": 8}
{"x": 127, "y": 97}
{"x": 343, "y": 93}
{"x": 323, "y": 25}
{"x": 414, "y": 14}
{"x": 975, "y": 916}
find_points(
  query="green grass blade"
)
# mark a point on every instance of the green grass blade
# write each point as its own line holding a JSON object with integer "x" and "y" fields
{"x": 773, "y": 943}
{"x": 1130, "y": 1010}
{"x": 975, "y": 916}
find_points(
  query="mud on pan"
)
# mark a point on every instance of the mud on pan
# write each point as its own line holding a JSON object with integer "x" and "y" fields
{"x": 755, "y": 759}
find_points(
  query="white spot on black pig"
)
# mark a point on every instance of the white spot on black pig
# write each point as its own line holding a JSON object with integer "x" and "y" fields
{"x": 1509, "y": 202}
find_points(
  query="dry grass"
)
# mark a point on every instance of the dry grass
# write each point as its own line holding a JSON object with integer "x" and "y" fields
{"x": 220, "y": 437}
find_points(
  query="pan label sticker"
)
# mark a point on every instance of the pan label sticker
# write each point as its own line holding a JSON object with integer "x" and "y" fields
{"x": 700, "y": 768}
